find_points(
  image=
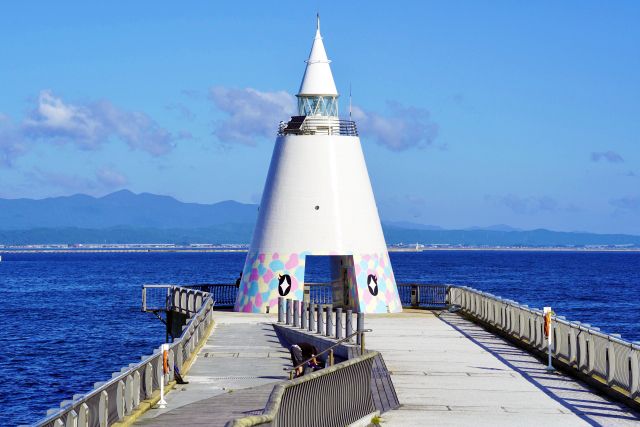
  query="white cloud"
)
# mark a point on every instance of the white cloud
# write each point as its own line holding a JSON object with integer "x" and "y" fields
{"x": 609, "y": 156}
{"x": 12, "y": 144}
{"x": 111, "y": 178}
{"x": 627, "y": 203}
{"x": 52, "y": 118}
{"x": 252, "y": 114}
{"x": 91, "y": 125}
{"x": 527, "y": 205}
{"x": 401, "y": 129}
{"x": 106, "y": 178}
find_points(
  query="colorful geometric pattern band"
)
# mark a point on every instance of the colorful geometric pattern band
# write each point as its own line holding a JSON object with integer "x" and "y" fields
{"x": 267, "y": 276}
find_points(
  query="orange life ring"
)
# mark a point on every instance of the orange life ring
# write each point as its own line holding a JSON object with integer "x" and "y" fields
{"x": 547, "y": 324}
{"x": 165, "y": 362}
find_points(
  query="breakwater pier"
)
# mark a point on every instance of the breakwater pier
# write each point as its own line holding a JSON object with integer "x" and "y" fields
{"x": 458, "y": 357}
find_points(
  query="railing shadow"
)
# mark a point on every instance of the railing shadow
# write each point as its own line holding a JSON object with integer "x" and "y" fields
{"x": 535, "y": 373}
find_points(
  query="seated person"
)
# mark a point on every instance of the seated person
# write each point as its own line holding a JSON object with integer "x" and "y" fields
{"x": 305, "y": 351}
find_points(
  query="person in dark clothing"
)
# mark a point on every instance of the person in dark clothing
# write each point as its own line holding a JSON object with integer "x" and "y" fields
{"x": 305, "y": 351}
{"x": 238, "y": 280}
{"x": 178, "y": 377}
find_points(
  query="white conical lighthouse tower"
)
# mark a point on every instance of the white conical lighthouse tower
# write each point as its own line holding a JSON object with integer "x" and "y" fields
{"x": 318, "y": 200}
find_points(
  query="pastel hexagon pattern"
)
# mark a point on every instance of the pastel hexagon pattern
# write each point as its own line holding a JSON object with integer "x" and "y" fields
{"x": 259, "y": 285}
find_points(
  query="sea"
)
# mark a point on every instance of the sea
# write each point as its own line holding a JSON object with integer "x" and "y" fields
{"x": 71, "y": 319}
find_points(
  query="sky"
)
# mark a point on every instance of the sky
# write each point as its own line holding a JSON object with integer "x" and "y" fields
{"x": 470, "y": 113}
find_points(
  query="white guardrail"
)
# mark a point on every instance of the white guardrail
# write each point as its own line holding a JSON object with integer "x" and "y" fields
{"x": 606, "y": 358}
{"x": 111, "y": 401}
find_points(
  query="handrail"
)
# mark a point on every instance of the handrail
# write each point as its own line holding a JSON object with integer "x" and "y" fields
{"x": 560, "y": 319}
{"x": 361, "y": 333}
{"x": 178, "y": 345}
{"x": 273, "y": 406}
{"x": 309, "y": 126}
{"x": 606, "y": 358}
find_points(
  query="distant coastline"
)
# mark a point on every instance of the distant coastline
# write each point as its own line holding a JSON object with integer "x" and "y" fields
{"x": 244, "y": 248}
{"x": 149, "y": 220}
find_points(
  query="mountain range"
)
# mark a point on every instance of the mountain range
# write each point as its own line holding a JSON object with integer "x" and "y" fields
{"x": 122, "y": 208}
{"x": 125, "y": 217}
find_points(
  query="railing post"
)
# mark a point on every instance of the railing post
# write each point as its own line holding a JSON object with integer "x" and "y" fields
{"x": 331, "y": 358}
{"x": 83, "y": 415}
{"x": 338, "y": 323}
{"x": 312, "y": 323}
{"x": 361, "y": 336}
{"x": 296, "y": 313}
{"x": 303, "y": 318}
{"x": 72, "y": 419}
{"x": 329, "y": 322}
{"x": 359, "y": 327}
{"x": 289, "y": 311}
{"x": 349, "y": 324}
{"x": 281, "y": 309}
{"x": 103, "y": 409}
{"x": 180, "y": 355}
{"x": 144, "y": 298}
{"x": 414, "y": 296}
{"x": 320, "y": 325}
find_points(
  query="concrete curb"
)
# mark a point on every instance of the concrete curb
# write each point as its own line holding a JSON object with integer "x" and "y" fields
{"x": 365, "y": 421}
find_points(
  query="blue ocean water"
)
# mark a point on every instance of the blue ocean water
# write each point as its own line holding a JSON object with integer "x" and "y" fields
{"x": 70, "y": 320}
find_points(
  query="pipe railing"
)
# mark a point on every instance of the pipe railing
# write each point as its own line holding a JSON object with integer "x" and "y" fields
{"x": 318, "y": 293}
{"x": 423, "y": 295}
{"x": 329, "y": 350}
{"x": 321, "y": 125}
{"x": 111, "y": 401}
{"x": 607, "y": 358}
{"x": 224, "y": 294}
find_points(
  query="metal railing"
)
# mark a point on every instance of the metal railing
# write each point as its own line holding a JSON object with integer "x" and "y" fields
{"x": 346, "y": 388}
{"x": 348, "y": 127}
{"x": 318, "y": 293}
{"x": 607, "y": 358}
{"x": 411, "y": 294}
{"x": 111, "y": 401}
{"x": 423, "y": 295}
{"x": 155, "y": 297}
{"x": 329, "y": 351}
{"x": 320, "y": 125}
{"x": 224, "y": 294}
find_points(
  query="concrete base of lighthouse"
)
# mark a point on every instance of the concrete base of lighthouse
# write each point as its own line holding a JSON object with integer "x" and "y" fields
{"x": 362, "y": 282}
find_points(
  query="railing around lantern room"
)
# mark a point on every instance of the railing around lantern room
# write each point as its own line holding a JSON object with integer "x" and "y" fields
{"x": 318, "y": 125}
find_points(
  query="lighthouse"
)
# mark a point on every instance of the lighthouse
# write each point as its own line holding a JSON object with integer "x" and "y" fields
{"x": 318, "y": 201}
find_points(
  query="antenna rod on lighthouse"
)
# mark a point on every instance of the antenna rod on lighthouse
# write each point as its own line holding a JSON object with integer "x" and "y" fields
{"x": 349, "y": 101}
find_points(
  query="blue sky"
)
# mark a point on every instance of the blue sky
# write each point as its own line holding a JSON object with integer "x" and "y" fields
{"x": 503, "y": 112}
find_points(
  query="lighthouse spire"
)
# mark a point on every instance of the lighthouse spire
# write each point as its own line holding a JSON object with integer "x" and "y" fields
{"x": 318, "y": 94}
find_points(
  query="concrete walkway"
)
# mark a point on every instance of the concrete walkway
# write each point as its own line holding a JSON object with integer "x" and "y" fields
{"x": 233, "y": 374}
{"x": 450, "y": 372}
